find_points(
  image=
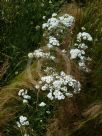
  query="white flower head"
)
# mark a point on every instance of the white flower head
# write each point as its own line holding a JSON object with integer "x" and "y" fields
{"x": 23, "y": 121}
{"x": 21, "y": 92}
{"x": 49, "y": 95}
{"x": 53, "y": 42}
{"x": 25, "y": 101}
{"x": 37, "y": 27}
{"x": 84, "y": 36}
{"x": 83, "y": 28}
{"x": 45, "y": 25}
{"x": 44, "y": 17}
{"x": 54, "y": 14}
{"x": 30, "y": 55}
{"x": 27, "y": 97}
{"x": 76, "y": 53}
{"x": 37, "y": 86}
{"x": 42, "y": 104}
{"x": 67, "y": 20}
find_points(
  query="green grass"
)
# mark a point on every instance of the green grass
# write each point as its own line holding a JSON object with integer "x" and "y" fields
{"x": 18, "y": 31}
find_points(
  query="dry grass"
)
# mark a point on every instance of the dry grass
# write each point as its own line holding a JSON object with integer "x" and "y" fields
{"x": 93, "y": 109}
{"x": 65, "y": 118}
{"x": 73, "y": 10}
{"x": 8, "y": 94}
{"x": 4, "y": 67}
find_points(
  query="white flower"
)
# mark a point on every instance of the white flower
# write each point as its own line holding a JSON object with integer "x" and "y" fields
{"x": 48, "y": 112}
{"x": 58, "y": 85}
{"x": 45, "y": 25}
{"x": 30, "y": 55}
{"x": 67, "y": 20}
{"x": 76, "y": 53}
{"x": 48, "y": 69}
{"x": 64, "y": 89}
{"x": 44, "y": 88}
{"x": 42, "y": 104}
{"x": 43, "y": 79}
{"x": 61, "y": 23}
{"x": 84, "y": 36}
{"x": 52, "y": 23}
{"x": 53, "y": 42}
{"x": 49, "y": 79}
{"x": 49, "y": 45}
{"x": 39, "y": 53}
{"x": 37, "y": 86}
{"x": 49, "y": 95}
{"x": 52, "y": 57}
{"x": 26, "y": 97}
{"x": 83, "y": 67}
{"x": 44, "y": 17}
{"x": 25, "y": 101}
{"x": 64, "y": 51}
{"x": 79, "y": 52}
{"x": 16, "y": 73}
{"x": 62, "y": 73}
{"x": 58, "y": 95}
{"x": 18, "y": 124}
{"x": 82, "y": 64}
{"x": 82, "y": 46}
{"x": 69, "y": 95}
{"x": 22, "y": 92}
{"x": 41, "y": 121}
{"x": 54, "y": 14}
{"x": 23, "y": 121}
{"x": 37, "y": 27}
{"x": 83, "y": 28}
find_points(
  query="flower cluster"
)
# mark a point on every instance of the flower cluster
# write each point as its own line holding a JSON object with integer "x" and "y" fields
{"x": 24, "y": 95}
{"x": 53, "y": 42}
{"x": 59, "y": 85}
{"x": 84, "y": 36}
{"x": 52, "y": 23}
{"x": 67, "y": 20}
{"x": 39, "y": 53}
{"x": 56, "y": 22}
{"x": 49, "y": 70}
{"x": 77, "y": 53}
{"x": 23, "y": 121}
{"x": 79, "y": 49}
